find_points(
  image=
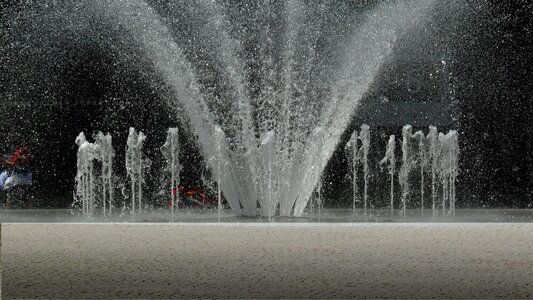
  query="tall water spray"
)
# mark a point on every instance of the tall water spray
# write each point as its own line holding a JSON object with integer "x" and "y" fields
{"x": 449, "y": 147}
{"x": 453, "y": 165}
{"x": 85, "y": 181}
{"x": 291, "y": 109}
{"x": 269, "y": 185}
{"x": 390, "y": 158}
{"x": 105, "y": 155}
{"x": 423, "y": 162}
{"x": 136, "y": 164}
{"x": 351, "y": 151}
{"x": 301, "y": 74}
{"x": 403, "y": 175}
{"x": 364, "y": 136}
{"x": 218, "y": 165}
{"x": 434, "y": 153}
{"x": 171, "y": 151}
{"x": 319, "y": 140}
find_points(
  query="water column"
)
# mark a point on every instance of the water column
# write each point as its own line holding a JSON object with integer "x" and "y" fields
{"x": 448, "y": 168}
{"x": 105, "y": 155}
{"x": 319, "y": 140}
{"x": 171, "y": 151}
{"x": 434, "y": 149}
{"x": 218, "y": 166}
{"x": 267, "y": 153}
{"x": 390, "y": 157}
{"x": 406, "y": 165}
{"x": 364, "y": 136}
{"x": 419, "y": 135}
{"x": 84, "y": 177}
{"x": 443, "y": 169}
{"x": 351, "y": 152}
{"x": 454, "y": 166}
{"x": 135, "y": 165}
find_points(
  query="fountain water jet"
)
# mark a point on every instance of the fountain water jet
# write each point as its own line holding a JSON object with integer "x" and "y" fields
{"x": 85, "y": 185}
{"x": 422, "y": 157}
{"x": 293, "y": 173}
{"x": 406, "y": 165}
{"x": 135, "y": 166}
{"x": 351, "y": 152}
{"x": 449, "y": 157}
{"x": 171, "y": 151}
{"x": 289, "y": 86}
{"x": 105, "y": 154}
{"x": 434, "y": 149}
{"x": 364, "y": 136}
{"x": 390, "y": 157}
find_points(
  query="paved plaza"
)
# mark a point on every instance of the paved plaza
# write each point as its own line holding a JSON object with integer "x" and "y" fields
{"x": 256, "y": 260}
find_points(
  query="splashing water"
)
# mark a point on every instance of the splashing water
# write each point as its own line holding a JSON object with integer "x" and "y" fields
{"x": 406, "y": 165}
{"x": 261, "y": 109}
{"x": 351, "y": 152}
{"x": 105, "y": 155}
{"x": 136, "y": 165}
{"x": 434, "y": 149}
{"x": 422, "y": 161}
{"x": 449, "y": 145}
{"x": 390, "y": 157}
{"x": 364, "y": 136}
{"x": 85, "y": 182}
{"x": 171, "y": 151}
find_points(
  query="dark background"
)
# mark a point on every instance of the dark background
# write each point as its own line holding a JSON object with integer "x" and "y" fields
{"x": 49, "y": 94}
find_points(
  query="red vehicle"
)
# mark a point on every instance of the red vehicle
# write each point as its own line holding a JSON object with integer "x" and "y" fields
{"x": 193, "y": 197}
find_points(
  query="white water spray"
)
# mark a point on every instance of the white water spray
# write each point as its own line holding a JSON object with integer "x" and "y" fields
{"x": 171, "y": 151}
{"x": 364, "y": 136}
{"x": 434, "y": 152}
{"x": 448, "y": 168}
{"x": 390, "y": 157}
{"x": 319, "y": 140}
{"x": 135, "y": 166}
{"x": 423, "y": 162}
{"x": 351, "y": 152}
{"x": 85, "y": 185}
{"x": 295, "y": 173}
{"x": 403, "y": 176}
{"x": 105, "y": 155}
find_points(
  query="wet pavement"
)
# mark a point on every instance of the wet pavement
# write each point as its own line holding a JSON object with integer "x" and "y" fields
{"x": 211, "y": 215}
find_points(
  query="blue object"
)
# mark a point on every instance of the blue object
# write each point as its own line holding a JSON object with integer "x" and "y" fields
{"x": 3, "y": 177}
{"x": 14, "y": 179}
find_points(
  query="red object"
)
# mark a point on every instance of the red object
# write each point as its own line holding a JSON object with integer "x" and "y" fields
{"x": 194, "y": 193}
{"x": 21, "y": 156}
{"x": 179, "y": 188}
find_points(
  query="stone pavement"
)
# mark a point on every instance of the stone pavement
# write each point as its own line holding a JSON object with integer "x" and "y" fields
{"x": 267, "y": 261}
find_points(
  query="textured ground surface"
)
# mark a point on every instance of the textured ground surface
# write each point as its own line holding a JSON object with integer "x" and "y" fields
{"x": 261, "y": 261}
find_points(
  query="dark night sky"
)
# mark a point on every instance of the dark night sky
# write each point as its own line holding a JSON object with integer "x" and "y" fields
{"x": 489, "y": 41}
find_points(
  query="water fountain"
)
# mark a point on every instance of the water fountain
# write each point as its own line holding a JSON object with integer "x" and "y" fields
{"x": 364, "y": 136}
{"x": 171, "y": 151}
{"x": 442, "y": 152}
{"x": 351, "y": 151}
{"x": 105, "y": 155}
{"x": 136, "y": 164}
{"x": 262, "y": 107}
{"x": 432, "y": 137}
{"x": 85, "y": 181}
{"x": 291, "y": 102}
{"x": 422, "y": 161}
{"x": 438, "y": 150}
{"x": 407, "y": 163}
{"x": 449, "y": 153}
{"x": 390, "y": 157}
